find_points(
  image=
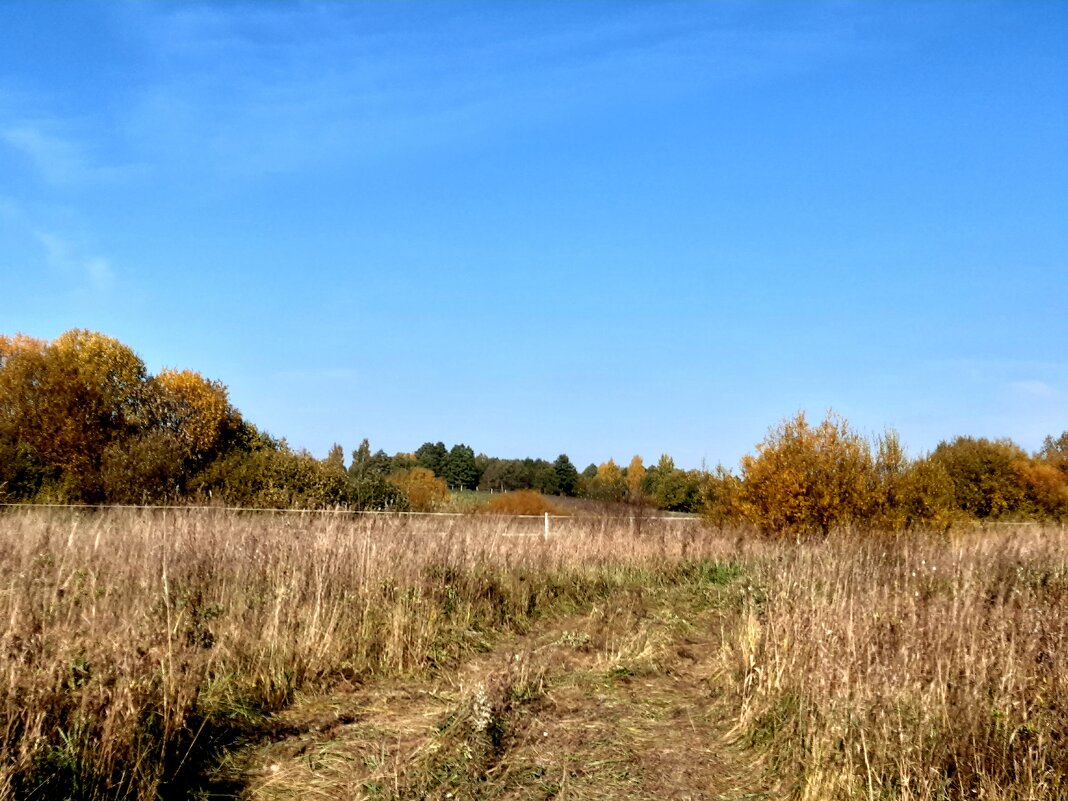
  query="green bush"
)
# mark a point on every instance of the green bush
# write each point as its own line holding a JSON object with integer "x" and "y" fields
{"x": 985, "y": 475}
{"x": 22, "y": 473}
{"x": 369, "y": 484}
{"x": 272, "y": 479}
{"x": 146, "y": 469}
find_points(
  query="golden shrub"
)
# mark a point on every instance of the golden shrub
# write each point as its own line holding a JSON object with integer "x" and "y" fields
{"x": 425, "y": 491}
{"x": 520, "y": 502}
{"x": 807, "y": 480}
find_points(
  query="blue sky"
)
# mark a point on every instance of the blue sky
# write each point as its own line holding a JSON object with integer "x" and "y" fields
{"x": 593, "y": 228}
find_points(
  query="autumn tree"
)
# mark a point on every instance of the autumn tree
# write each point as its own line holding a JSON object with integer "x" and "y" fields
{"x": 722, "y": 502}
{"x": 66, "y": 401}
{"x": 187, "y": 422}
{"x": 806, "y": 480}
{"x": 985, "y": 475}
{"x": 673, "y": 489}
{"x": 272, "y": 478}
{"x": 1055, "y": 452}
{"x": 586, "y": 478}
{"x": 607, "y": 484}
{"x": 192, "y": 409}
{"x": 23, "y": 471}
{"x": 425, "y": 491}
{"x": 335, "y": 459}
{"x": 149, "y": 468}
{"x": 1046, "y": 478}
{"x": 635, "y": 479}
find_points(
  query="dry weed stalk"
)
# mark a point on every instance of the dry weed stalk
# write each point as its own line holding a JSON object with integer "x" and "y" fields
{"x": 133, "y": 643}
{"x": 909, "y": 668}
{"x": 132, "y": 640}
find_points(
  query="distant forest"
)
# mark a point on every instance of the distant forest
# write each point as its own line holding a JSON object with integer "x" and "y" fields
{"x": 82, "y": 421}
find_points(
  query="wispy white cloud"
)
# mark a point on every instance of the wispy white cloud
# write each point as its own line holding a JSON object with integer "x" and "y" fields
{"x": 60, "y": 156}
{"x": 91, "y": 270}
{"x": 250, "y": 89}
{"x": 57, "y": 160}
{"x": 63, "y": 254}
{"x": 276, "y": 88}
{"x": 1033, "y": 388}
{"x": 100, "y": 273}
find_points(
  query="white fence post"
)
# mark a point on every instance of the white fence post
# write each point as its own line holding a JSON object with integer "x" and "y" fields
{"x": 546, "y": 535}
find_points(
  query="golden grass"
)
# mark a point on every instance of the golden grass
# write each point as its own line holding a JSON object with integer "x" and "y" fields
{"x": 133, "y": 642}
{"x": 136, "y": 645}
{"x": 912, "y": 668}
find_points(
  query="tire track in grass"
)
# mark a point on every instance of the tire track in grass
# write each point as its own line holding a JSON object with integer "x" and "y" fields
{"x": 615, "y": 703}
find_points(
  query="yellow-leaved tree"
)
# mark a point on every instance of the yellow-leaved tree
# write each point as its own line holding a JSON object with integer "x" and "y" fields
{"x": 608, "y": 484}
{"x": 425, "y": 491}
{"x": 67, "y": 400}
{"x": 192, "y": 409}
{"x": 22, "y": 470}
{"x": 635, "y": 481}
{"x": 806, "y": 480}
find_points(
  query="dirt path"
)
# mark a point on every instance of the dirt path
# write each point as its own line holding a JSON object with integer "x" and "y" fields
{"x": 613, "y": 704}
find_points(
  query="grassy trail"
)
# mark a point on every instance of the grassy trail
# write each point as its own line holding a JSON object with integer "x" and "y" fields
{"x": 392, "y": 658}
{"x": 615, "y": 702}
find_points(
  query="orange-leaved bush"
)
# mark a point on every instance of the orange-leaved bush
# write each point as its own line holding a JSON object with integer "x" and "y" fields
{"x": 425, "y": 491}
{"x": 520, "y": 502}
{"x": 807, "y": 480}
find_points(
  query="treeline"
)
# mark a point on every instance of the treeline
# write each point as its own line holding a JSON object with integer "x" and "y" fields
{"x": 808, "y": 480}
{"x": 82, "y": 421}
{"x": 663, "y": 485}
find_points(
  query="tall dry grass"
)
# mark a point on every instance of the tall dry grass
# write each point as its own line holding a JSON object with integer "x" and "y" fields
{"x": 132, "y": 643}
{"x": 908, "y": 668}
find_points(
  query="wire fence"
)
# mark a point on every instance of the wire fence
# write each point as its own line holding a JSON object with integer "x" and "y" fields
{"x": 635, "y": 515}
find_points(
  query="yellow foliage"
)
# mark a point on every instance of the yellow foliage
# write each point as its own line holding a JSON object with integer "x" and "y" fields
{"x": 67, "y": 400}
{"x": 21, "y": 358}
{"x": 721, "y": 496}
{"x": 1046, "y": 487}
{"x": 19, "y": 345}
{"x": 192, "y": 408}
{"x": 425, "y": 491}
{"x": 806, "y": 480}
{"x": 107, "y": 365}
{"x": 635, "y": 477}
{"x": 608, "y": 485}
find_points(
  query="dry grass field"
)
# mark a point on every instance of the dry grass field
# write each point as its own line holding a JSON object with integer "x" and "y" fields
{"x": 193, "y": 654}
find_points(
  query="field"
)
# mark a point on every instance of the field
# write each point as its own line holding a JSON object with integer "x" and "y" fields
{"x": 202, "y": 654}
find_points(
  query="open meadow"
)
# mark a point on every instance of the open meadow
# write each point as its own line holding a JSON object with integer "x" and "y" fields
{"x": 213, "y": 654}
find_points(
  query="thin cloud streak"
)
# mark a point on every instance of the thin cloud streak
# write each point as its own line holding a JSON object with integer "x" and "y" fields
{"x": 59, "y": 160}
{"x": 56, "y": 160}
{"x": 94, "y": 270}
{"x": 289, "y": 99}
